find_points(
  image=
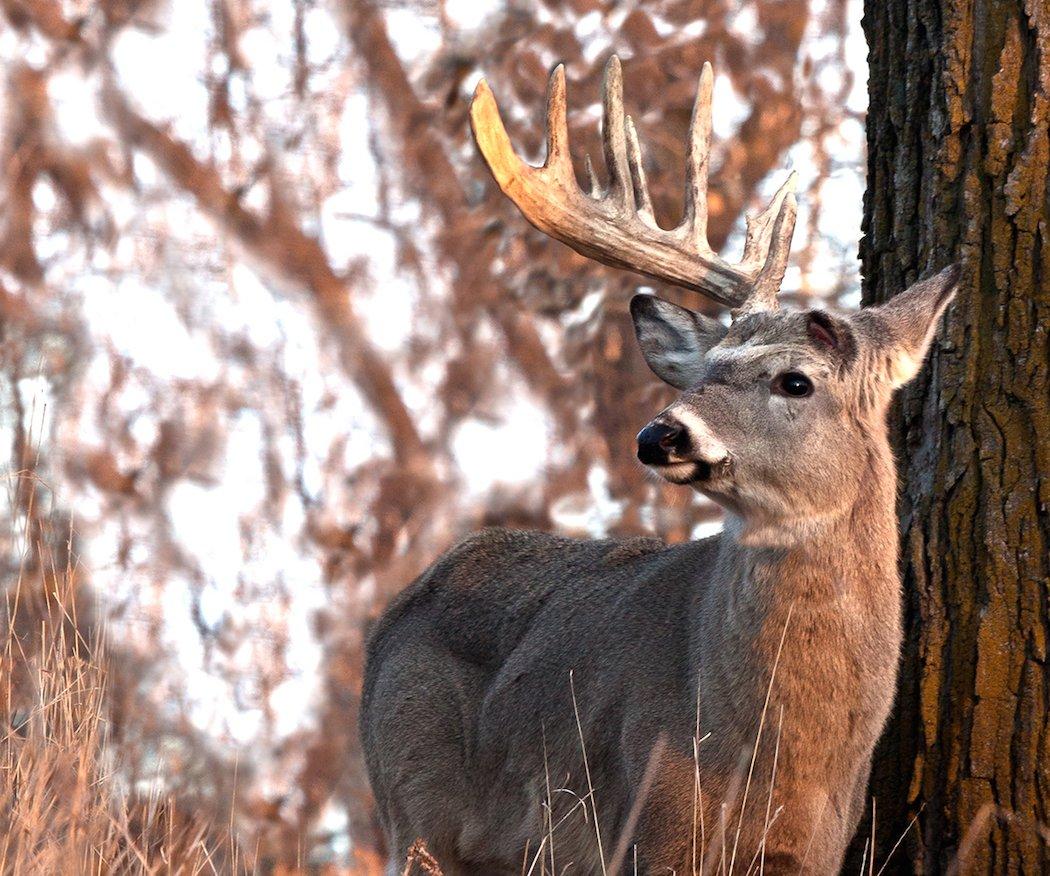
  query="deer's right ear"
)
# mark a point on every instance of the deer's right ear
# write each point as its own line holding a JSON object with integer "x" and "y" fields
{"x": 900, "y": 331}
{"x": 673, "y": 339}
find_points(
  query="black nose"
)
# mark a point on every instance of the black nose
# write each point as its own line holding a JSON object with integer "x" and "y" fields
{"x": 658, "y": 440}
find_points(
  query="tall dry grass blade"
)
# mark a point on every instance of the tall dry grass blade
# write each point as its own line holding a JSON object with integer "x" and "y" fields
{"x": 769, "y": 800}
{"x": 974, "y": 832}
{"x": 418, "y": 853}
{"x": 550, "y": 801}
{"x": 758, "y": 736}
{"x": 548, "y": 839}
{"x": 718, "y": 847}
{"x": 900, "y": 839}
{"x": 65, "y": 804}
{"x": 587, "y": 771}
{"x": 864, "y": 856}
{"x": 755, "y": 858}
{"x": 698, "y": 796}
{"x": 813, "y": 834}
{"x": 871, "y": 858}
{"x": 641, "y": 794}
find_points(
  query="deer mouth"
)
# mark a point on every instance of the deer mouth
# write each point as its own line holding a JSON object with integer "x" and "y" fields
{"x": 693, "y": 471}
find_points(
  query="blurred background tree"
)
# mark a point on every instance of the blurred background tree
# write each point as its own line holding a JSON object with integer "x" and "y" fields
{"x": 274, "y": 339}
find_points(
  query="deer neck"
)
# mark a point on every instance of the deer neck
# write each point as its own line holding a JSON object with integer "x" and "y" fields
{"x": 850, "y": 553}
{"x": 836, "y": 588}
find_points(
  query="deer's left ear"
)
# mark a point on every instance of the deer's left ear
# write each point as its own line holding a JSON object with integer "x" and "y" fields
{"x": 673, "y": 340}
{"x": 899, "y": 332}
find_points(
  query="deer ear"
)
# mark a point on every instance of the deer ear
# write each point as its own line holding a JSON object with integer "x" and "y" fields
{"x": 900, "y": 331}
{"x": 673, "y": 339}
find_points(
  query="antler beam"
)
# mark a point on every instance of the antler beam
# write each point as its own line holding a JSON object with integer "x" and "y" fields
{"x": 618, "y": 227}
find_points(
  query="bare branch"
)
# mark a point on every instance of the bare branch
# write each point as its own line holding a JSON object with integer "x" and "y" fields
{"x": 288, "y": 252}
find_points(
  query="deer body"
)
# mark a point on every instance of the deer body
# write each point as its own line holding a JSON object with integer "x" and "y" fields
{"x": 727, "y": 693}
{"x": 473, "y": 661}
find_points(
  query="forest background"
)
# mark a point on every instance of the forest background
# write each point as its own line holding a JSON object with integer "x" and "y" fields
{"x": 272, "y": 339}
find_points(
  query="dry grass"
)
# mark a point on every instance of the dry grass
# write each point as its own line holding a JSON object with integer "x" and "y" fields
{"x": 66, "y": 804}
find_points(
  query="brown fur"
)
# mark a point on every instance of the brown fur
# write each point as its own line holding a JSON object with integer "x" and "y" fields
{"x": 477, "y": 672}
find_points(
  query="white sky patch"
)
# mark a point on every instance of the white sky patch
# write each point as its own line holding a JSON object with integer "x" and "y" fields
{"x": 509, "y": 452}
{"x": 38, "y": 403}
{"x": 663, "y": 27}
{"x": 414, "y": 36}
{"x": 323, "y": 35}
{"x": 593, "y": 36}
{"x": 176, "y": 55}
{"x": 356, "y": 164}
{"x": 583, "y": 313}
{"x": 206, "y": 519}
{"x": 388, "y": 307}
{"x": 706, "y": 529}
{"x": 348, "y": 226}
{"x": 856, "y": 54}
{"x": 346, "y": 213}
{"x": 844, "y": 189}
{"x": 261, "y": 46}
{"x": 50, "y": 246}
{"x": 590, "y": 513}
{"x": 693, "y": 30}
{"x": 144, "y": 326}
{"x": 743, "y": 23}
{"x": 75, "y": 106}
{"x": 44, "y": 196}
{"x": 334, "y": 822}
{"x": 254, "y": 307}
{"x": 728, "y": 111}
{"x": 469, "y": 14}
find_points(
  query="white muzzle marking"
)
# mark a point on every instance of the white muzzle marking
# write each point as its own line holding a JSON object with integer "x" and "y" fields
{"x": 707, "y": 444}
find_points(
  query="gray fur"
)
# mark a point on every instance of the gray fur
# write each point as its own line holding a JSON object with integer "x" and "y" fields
{"x": 468, "y": 714}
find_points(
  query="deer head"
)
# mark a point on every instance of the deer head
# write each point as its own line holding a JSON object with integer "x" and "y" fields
{"x": 778, "y": 408}
{"x": 782, "y": 414}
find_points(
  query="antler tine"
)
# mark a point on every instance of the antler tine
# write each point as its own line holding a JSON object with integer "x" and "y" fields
{"x": 694, "y": 222}
{"x": 491, "y": 137}
{"x": 760, "y": 228}
{"x": 641, "y": 187}
{"x": 764, "y": 293}
{"x": 614, "y": 135}
{"x": 558, "y": 160}
{"x": 618, "y": 228}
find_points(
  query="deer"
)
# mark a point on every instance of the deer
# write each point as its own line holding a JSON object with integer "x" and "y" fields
{"x": 534, "y": 701}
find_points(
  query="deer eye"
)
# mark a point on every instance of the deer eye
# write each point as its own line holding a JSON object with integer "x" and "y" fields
{"x": 792, "y": 384}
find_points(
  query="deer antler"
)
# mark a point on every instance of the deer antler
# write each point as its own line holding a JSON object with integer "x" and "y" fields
{"x": 618, "y": 227}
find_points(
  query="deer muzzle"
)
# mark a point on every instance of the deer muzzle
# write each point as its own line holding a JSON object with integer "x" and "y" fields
{"x": 682, "y": 449}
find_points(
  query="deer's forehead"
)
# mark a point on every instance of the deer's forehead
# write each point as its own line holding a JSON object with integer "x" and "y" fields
{"x": 777, "y": 327}
{"x": 742, "y": 356}
{"x": 759, "y": 354}
{"x": 763, "y": 341}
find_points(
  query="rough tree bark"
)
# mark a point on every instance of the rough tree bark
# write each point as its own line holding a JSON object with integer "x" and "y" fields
{"x": 958, "y": 156}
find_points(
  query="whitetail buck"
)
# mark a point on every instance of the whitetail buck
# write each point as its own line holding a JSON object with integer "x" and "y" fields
{"x": 727, "y": 693}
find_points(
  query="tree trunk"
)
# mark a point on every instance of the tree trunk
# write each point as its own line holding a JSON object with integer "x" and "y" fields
{"x": 958, "y": 154}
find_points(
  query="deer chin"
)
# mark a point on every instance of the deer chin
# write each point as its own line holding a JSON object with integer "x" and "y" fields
{"x": 698, "y": 473}
{"x": 677, "y": 472}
